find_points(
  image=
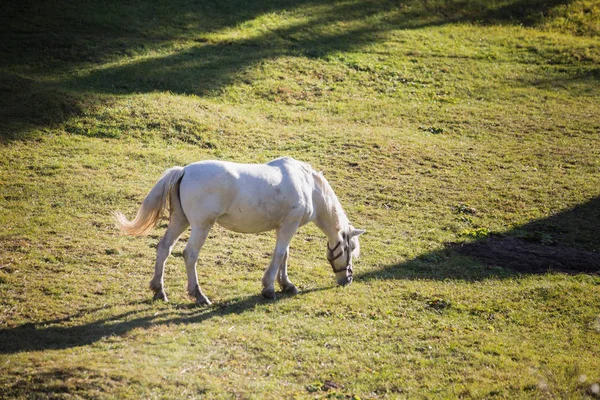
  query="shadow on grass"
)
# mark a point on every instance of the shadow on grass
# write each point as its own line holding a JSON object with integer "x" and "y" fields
{"x": 57, "y": 39}
{"x": 58, "y": 33}
{"x": 57, "y": 334}
{"x": 60, "y": 382}
{"x": 567, "y": 242}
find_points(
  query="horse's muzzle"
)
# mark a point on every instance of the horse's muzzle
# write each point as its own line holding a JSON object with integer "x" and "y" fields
{"x": 345, "y": 281}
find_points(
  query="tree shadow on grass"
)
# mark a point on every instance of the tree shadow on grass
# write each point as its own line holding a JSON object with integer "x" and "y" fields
{"x": 42, "y": 40}
{"x": 209, "y": 67}
{"x": 56, "y": 39}
{"x": 567, "y": 242}
{"x": 60, "y": 33}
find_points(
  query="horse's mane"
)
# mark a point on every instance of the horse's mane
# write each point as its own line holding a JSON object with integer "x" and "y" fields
{"x": 334, "y": 208}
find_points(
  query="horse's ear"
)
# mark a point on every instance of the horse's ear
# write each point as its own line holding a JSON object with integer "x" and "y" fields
{"x": 355, "y": 232}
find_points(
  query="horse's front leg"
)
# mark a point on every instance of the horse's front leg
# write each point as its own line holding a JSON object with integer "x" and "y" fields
{"x": 282, "y": 277}
{"x": 284, "y": 237}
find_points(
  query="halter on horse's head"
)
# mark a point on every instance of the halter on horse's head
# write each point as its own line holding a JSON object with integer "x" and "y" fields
{"x": 347, "y": 246}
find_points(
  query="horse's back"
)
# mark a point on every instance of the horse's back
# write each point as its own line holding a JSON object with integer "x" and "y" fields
{"x": 248, "y": 197}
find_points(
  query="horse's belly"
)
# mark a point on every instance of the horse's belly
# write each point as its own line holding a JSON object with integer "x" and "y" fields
{"x": 249, "y": 222}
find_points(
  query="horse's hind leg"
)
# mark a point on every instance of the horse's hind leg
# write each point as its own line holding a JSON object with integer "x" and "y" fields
{"x": 177, "y": 224}
{"x": 190, "y": 254}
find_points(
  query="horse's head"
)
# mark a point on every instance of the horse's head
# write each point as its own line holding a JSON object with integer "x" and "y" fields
{"x": 340, "y": 255}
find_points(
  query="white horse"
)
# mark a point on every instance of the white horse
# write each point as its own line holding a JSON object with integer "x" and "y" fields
{"x": 283, "y": 194}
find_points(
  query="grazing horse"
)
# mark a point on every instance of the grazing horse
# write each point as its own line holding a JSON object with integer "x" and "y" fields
{"x": 283, "y": 195}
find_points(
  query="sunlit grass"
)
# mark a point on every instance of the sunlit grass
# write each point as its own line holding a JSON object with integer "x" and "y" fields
{"x": 441, "y": 126}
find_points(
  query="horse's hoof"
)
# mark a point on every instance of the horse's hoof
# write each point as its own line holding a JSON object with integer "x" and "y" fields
{"x": 202, "y": 300}
{"x": 290, "y": 289}
{"x": 160, "y": 296}
{"x": 268, "y": 293}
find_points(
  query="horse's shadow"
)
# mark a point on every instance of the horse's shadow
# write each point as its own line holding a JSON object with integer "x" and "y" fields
{"x": 58, "y": 334}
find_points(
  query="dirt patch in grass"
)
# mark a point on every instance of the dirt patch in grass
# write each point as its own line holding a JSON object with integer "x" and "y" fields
{"x": 529, "y": 257}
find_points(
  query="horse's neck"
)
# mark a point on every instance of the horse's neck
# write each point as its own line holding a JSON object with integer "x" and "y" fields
{"x": 330, "y": 217}
{"x": 327, "y": 223}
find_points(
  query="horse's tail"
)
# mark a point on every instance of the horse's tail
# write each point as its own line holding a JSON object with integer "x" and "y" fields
{"x": 153, "y": 205}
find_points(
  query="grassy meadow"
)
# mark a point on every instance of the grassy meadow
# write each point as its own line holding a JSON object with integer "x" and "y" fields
{"x": 462, "y": 135}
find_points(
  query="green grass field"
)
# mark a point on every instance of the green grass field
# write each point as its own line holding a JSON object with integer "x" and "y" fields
{"x": 462, "y": 135}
